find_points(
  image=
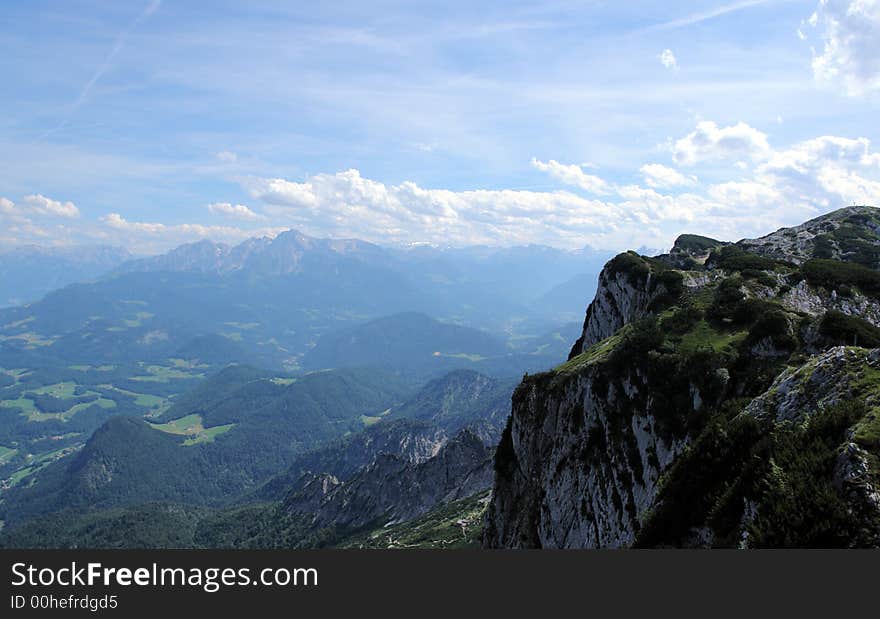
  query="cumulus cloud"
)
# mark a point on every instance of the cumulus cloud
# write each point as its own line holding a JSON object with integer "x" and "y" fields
{"x": 667, "y": 59}
{"x": 659, "y": 175}
{"x": 850, "y": 40}
{"x": 41, "y": 205}
{"x": 826, "y": 171}
{"x": 149, "y": 237}
{"x": 118, "y": 222}
{"x": 571, "y": 174}
{"x": 709, "y": 142}
{"x": 234, "y": 211}
{"x": 347, "y": 204}
{"x": 36, "y": 205}
{"x": 781, "y": 186}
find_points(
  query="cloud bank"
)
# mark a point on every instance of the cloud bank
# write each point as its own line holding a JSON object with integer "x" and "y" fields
{"x": 726, "y": 181}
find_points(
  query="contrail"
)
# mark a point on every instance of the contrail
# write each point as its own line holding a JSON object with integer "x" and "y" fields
{"x": 108, "y": 60}
{"x": 696, "y": 18}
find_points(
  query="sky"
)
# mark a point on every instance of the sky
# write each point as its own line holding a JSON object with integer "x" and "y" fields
{"x": 150, "y": 123}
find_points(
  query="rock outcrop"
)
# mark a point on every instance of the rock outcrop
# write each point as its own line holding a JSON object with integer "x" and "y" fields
{"x": 392, "y": 490}
{"x": 711, "y": 400}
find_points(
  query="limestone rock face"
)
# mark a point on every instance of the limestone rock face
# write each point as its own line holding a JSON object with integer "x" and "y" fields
{"x": 625, "y": 293}
{"x": 819, "y": 237}
{"x": 683, "y": 412}
{"x": 568, "y": 473}
{"x": 825, "y": 380}
{"x": 392, "y": 490}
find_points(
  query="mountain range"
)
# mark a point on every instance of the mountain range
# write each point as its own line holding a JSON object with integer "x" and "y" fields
{"x": 723, "y": 394}
{"x": 28, "y": 273}
{"x": 269, "y": 301}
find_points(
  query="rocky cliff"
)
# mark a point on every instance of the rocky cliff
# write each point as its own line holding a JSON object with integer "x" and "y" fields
{"x": 392, "y": 490}
{"x": 711, "y": 400}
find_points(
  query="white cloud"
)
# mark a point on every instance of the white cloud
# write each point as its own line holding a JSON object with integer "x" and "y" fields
{"x": 827, "y": 171}
{"x": 7, "y": 207}
{"x": 36, "y": 205}
{"x": 659, "y": 175}
{"x": 850, "y": 34}
{"x": 709, "y": 142}
{"x": 781, "y": 187}
{"x": 347, "y": 204}
{"x": 745, "y": 193}
{"x": 234, "y": 211}
{"x": 226, "y": 156}
{"x": 118, "y": 222}
{"x": 571, "y": 174}
{"x": 667, "y": 59}
{"x": 41, "y": 205}
{"x": 150, "y": 237}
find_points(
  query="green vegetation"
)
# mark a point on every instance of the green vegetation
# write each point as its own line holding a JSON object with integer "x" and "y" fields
{"x": 6, "y": 453}
{"x": 284, "y": 382}
{"x": 855, "y": 241}
{"x": 26, "y": 405}
{"x": 145, "y": 400}
{"x": 836, "y": 275}
{"x": 694, "y": 243}
{"x": 667, "y": 286}
{"x": 193, "y": 456}
{"x": 191, "y": 424}
{"x": 30, "y": 339}
{"x": 843, "y": 329}
{"x": 256, "y": 526}
{"x": 629, "y": 263}
{"x": 595, "y": 354}
{"x": 409, "y": 342}
{"x": 703, "y": 336}
{"x": 70, "y": 412}
{"x": 455, "y": 525}
{"x": 192, "y": 427}
{"x": 798, "y": 505}
{"x": 58, "y": 401}
{"x": 146, "y": 526}
{"x": 735, "y": 258}
{"x": 163, "y": 374}
{"x": 207, "y": 435}
{"x": 244, "y": 326}
{"x": 784, "y": 470}
{"x": 64, "y": 390}
{"x": 866, "y": 387}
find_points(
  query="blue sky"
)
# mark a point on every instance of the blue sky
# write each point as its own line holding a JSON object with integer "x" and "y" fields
{"x": 150, "y": 123}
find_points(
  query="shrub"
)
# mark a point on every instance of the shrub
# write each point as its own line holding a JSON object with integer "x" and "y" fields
{"x": 798, "y": 505}
{"x": 695, "y": 243}
{"x": 681, "y": 320}
{"x": 833, "y": 274}
{"x": 772, "y": 324}
{"x": 762, "y": 277}
{"x": 735, "y": 258}
{"x": 842, "y": 329}
{"x": 672, "y": 285}
{"x": 630, "y": 264}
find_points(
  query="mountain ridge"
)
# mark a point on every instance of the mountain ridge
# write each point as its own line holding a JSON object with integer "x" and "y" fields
{"x": 649, "y": 434}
